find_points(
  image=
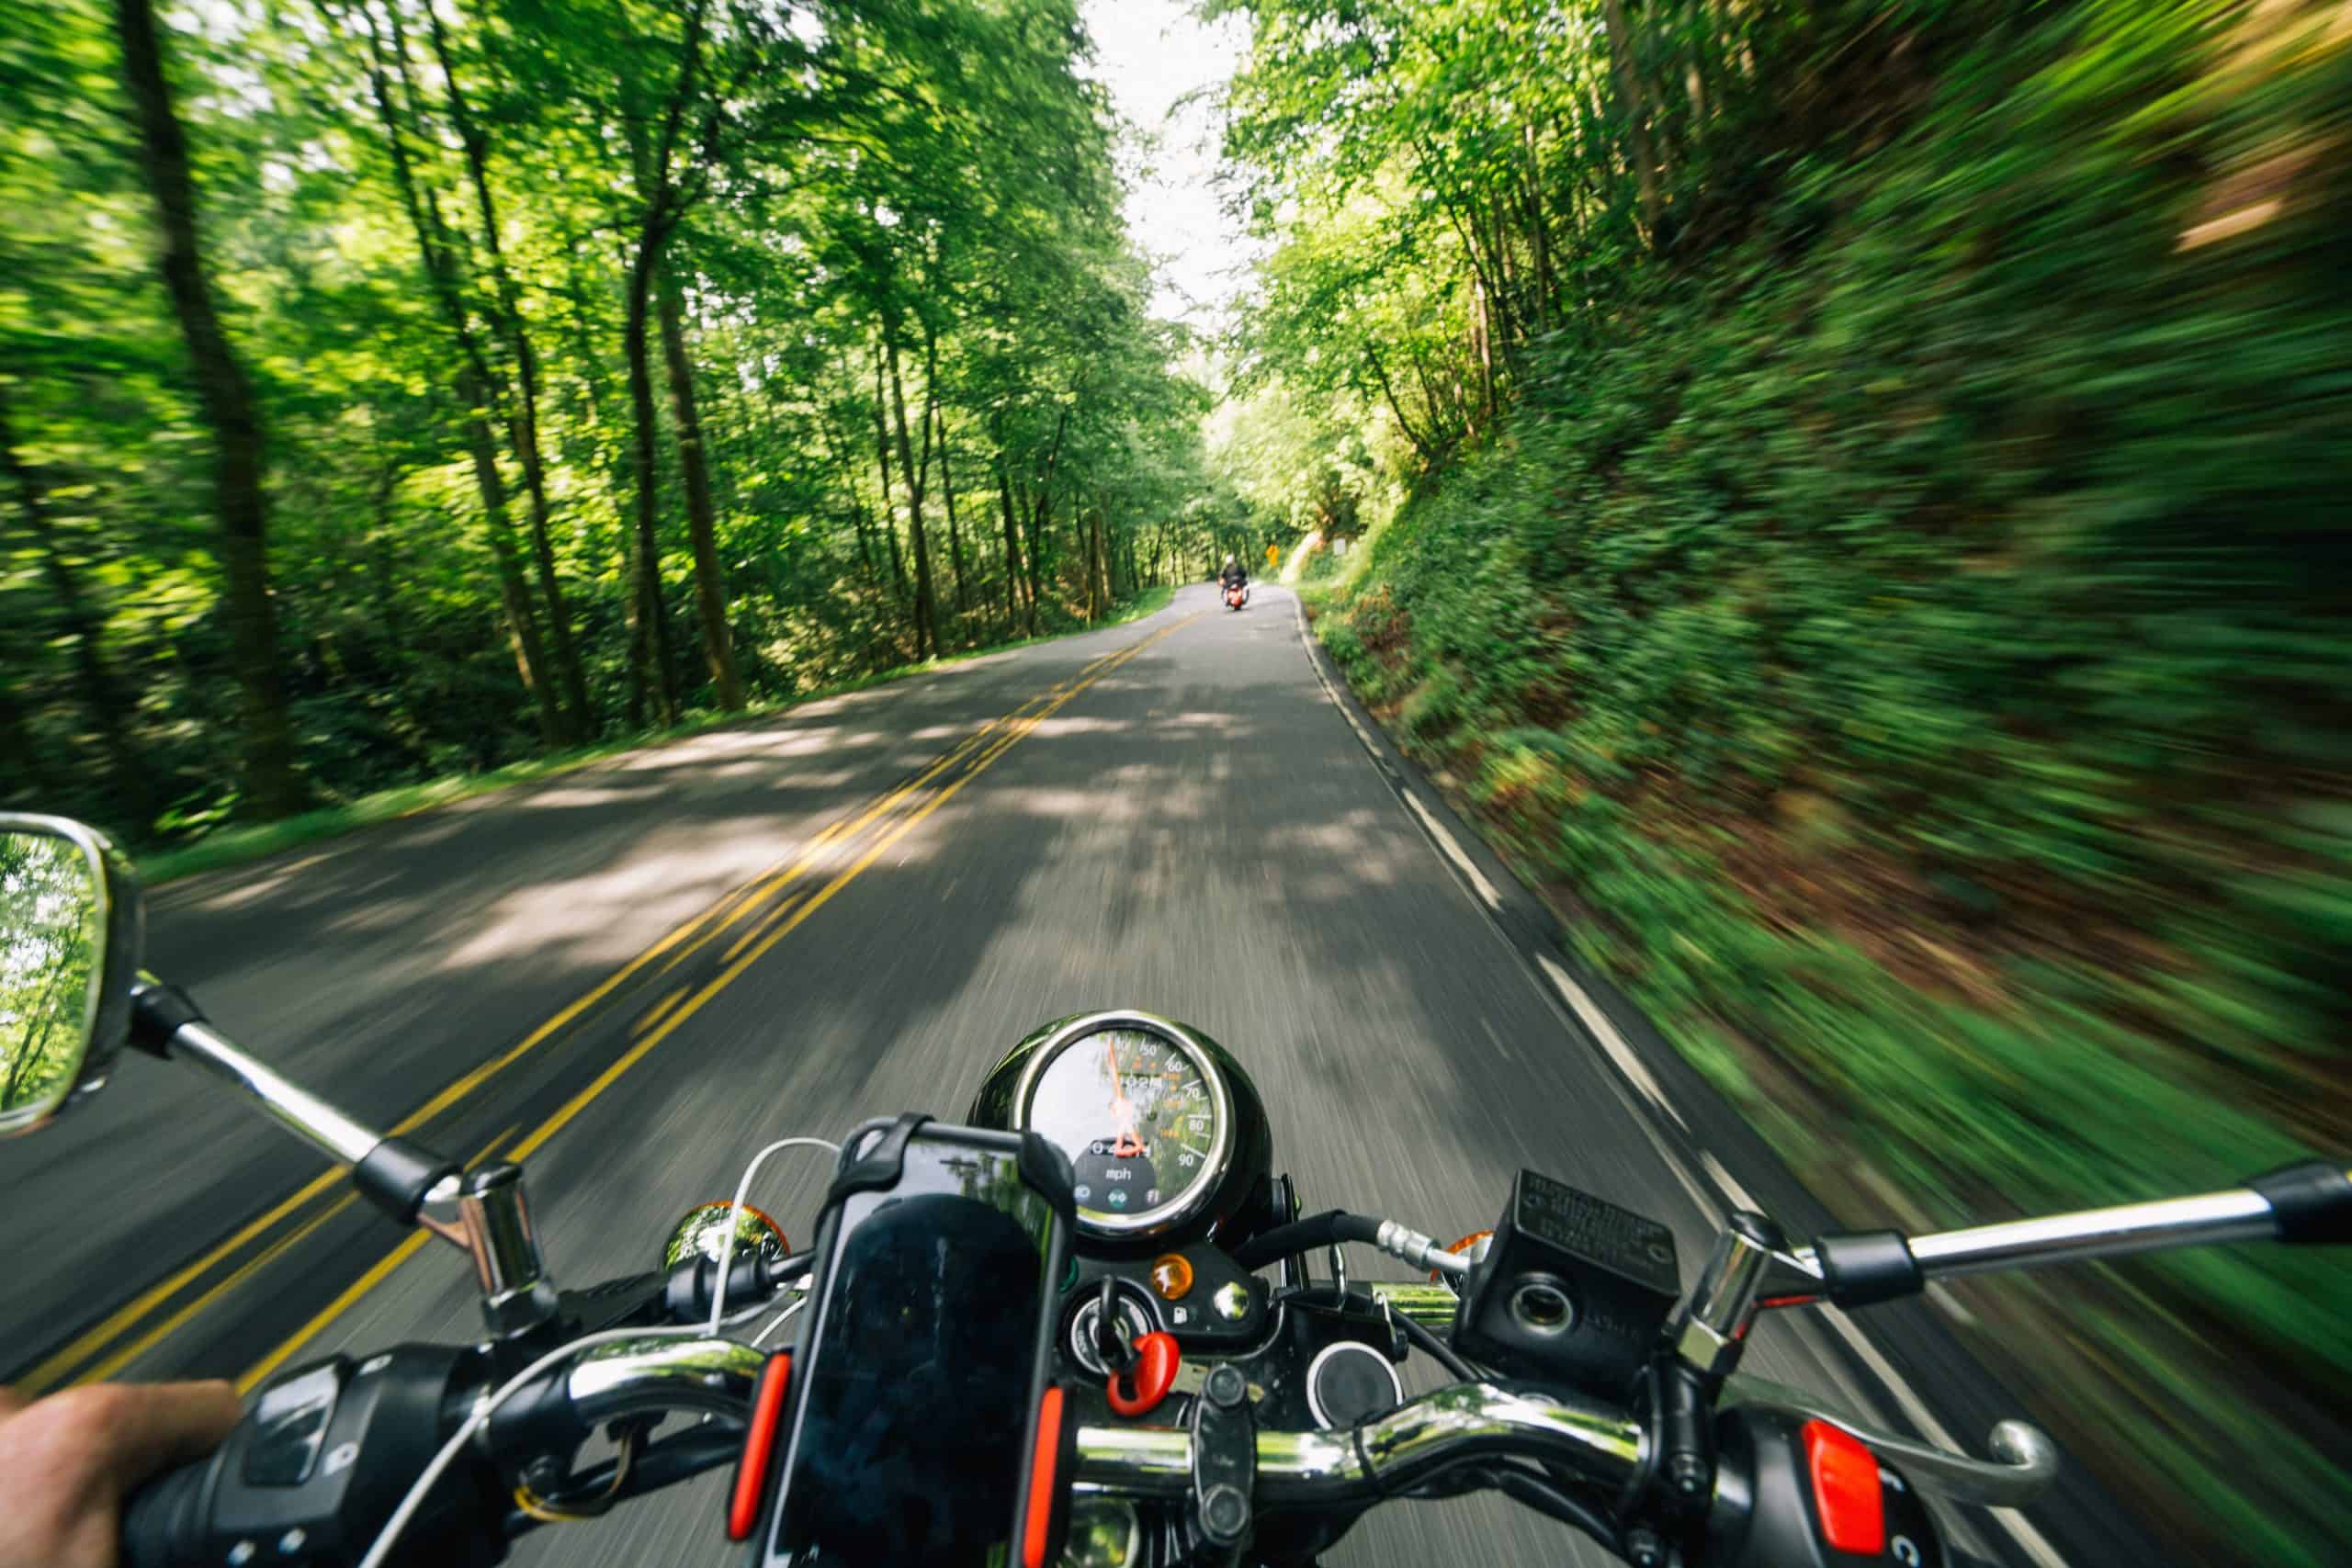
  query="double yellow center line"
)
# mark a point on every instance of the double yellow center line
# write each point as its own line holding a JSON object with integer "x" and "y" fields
{"x": 99, "y": 1352}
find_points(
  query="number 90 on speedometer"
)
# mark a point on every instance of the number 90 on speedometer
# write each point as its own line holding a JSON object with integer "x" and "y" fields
{"x": 1142, "y": 1118}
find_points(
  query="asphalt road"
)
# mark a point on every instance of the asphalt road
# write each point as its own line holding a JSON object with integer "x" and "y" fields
{"x": 1174, "y": 815}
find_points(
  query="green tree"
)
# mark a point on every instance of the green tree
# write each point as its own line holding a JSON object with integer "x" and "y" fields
{"x": 233, "y": 417}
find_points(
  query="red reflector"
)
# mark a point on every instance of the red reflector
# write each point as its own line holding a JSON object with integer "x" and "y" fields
{"x": 1038, "y": 1529}
{"x": 758, "y": 1447}
{"x": 1845, "y": 1489}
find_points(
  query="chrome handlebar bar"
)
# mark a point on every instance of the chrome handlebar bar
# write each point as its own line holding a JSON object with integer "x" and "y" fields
{"x": 1389, "y": 1453}
{"x": 661, "y": 1374}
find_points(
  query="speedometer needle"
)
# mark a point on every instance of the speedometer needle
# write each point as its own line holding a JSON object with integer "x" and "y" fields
{"x": 1123, "y": 1111}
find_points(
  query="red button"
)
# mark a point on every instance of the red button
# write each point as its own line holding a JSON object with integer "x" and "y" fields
{"x": 758, "y": 1447}
{"x": 1845, "y": 1489}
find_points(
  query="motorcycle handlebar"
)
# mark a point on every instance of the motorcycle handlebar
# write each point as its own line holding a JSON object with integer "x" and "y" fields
{"x": 1450, "y": 1426}
{"x": 1459, "y": 1423}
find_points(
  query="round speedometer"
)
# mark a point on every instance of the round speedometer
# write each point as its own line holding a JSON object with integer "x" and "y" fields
{"x": 1143, "y": 1113}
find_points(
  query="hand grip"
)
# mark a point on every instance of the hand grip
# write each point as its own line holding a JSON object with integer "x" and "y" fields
{"x": 163, "y": 1522}
{"x": 2312, "y": 1201}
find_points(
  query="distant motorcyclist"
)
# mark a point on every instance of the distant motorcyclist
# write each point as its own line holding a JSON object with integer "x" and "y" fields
{"x": 1234, "y": 573}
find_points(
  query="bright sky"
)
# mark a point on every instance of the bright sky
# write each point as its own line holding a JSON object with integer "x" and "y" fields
{"x": 1152, "y": 53}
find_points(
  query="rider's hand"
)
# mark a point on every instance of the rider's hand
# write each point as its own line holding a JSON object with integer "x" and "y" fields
{"x": 68, "y": 1461}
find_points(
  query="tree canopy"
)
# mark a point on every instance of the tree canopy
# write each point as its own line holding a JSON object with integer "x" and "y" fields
{"x": 396, "y": 386}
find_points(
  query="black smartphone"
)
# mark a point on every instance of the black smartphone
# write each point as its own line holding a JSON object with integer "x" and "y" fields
{"x": 924, "y": 1360}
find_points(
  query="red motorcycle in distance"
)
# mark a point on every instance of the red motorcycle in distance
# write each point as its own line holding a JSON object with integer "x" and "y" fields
{"x": 1235, "y": 596}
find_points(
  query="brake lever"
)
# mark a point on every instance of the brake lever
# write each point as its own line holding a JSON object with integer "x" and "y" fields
{"x": 2023, "y": 1466}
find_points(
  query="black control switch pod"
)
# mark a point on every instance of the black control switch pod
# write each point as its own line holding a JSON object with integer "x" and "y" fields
{"x": 1793, "y": 1493}
{"x": 290, "y": 1485}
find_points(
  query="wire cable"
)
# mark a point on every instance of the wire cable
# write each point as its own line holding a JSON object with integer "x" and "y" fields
{"x": 777, "y": 1322}
{"x": 1438, "y": 1350}
{"x": 742, "y": 1190}
{"x": 573, "y": 1510}
{"x": 387, "y": 1538}
{"x": 426, "y": 1479}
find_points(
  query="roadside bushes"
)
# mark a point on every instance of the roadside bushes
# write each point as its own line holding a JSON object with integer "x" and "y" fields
{"x": 1913, "y": 648}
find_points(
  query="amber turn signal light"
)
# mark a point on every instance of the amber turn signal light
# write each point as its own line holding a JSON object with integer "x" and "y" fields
{"x": 1172, "y": 1276}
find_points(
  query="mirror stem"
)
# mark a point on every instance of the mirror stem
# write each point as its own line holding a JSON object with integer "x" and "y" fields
{"x": 410, "y": 1184}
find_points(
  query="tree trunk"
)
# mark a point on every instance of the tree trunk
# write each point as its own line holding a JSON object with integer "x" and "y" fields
{"x": 526, "y": 420}
{"x": 378, "y": 547}
{"x": 28, "y": 781}
{"x": 522, "y": 625}
{"x": 640, "y": 673}
{"x": 593, "y": 403}
{"x": 108, "y": 700}
{"x": 1037, "y": 513}
{"x": 947, "y": 493}
{"x": 650, "y": 622}
{"x": 857, "y": 507}
{"x": 889, "y": 509}
{"x": 1538, "y": 228}
{"x": 1636, "y": 110}
{"x": 1012, "y": 546}
{"x": 640, "y": 630}
{"x": 1420, "y": 443}
{"x": 865, "y": 533}
{"x": 473, "y": 386}
{"x": 663, "y": 209}
{"x": 926, "y": 604}
{"x": 240, "y": 505}
{"x": 1485, "y": 338}
{"x": 710, "y": 587}
{"x": 946, "y": 480}
{"x": 1042, "y": 511}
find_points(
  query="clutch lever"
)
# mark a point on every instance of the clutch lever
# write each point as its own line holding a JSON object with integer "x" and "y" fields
{"x": 2023, "y": 1466}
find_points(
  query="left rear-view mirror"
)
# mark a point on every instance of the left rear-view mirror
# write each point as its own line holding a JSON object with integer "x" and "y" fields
{"x": 70, "y": 935}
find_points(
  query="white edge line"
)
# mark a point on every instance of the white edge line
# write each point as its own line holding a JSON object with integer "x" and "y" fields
{"x": 2030, "y": 1540}
{"x": 1454, "y": 852}
{"x": 1727, "y": 1186}
{"x": 1450, "y": 846}
{"x": 1620, "y": 1051}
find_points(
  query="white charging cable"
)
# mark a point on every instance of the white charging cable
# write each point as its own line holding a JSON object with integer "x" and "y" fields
{"x": 390, "y": 1535}
{"x": 387, "y": 1538}
{"x": 734, "y": 1215}
{"x": 777, "y": 1322}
